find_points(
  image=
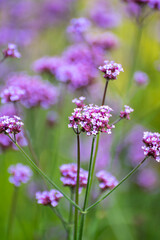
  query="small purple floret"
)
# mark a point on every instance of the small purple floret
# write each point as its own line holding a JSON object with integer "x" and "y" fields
{"x": 111, "y": 69}
{"x": 10, "y": 124}
{"x": 126, "y": 112}
{"x": 11, "y": 51}
{"x": 106, "y": 179}
{"x": 51, "y": 197}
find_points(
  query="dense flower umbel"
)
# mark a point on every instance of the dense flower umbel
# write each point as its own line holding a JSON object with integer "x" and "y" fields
{"x": 12, "y": 94}
{"x": 91, "y": 119}
{"x": 11, "y": 51}
{"x": 154, "y": 4}
{"x": 51, "y": 197}
{"x": 107, "y": 181}
{"x": 111, "y": 69}
{"x": 10, "y": 124}
{"x": 126, "y": 112}
{"x": 19, "y": 174}
{"x": 152, "y": 145}
{"x": 36, "y": 91}
{"x": 69, "y": 176}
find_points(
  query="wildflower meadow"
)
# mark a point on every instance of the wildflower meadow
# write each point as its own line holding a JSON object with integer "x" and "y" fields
{"x": 79, "y": 119}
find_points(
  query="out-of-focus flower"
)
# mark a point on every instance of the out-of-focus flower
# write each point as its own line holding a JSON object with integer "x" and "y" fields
{"x": 36, "y": 92}
{"x": 155, "y": 4}
{"x": 51, "y": 197}
{"x": 106, "y": 179}
{"x": 133, "y": 9}
{"x": 152, "y": 145}
{"x": 77, "y": 27}
{"x": 19, "y": 174}
{"x": 11, "y": 51}
{"x": 69, "y": 176}
{"x": 147, "y": 178}
{"x": 10, "y": 124}
{"x": 141, "y": 78}
{"x": 126, "y": 112}
{"x": 52, "y": 118}
{"x": 47, "y": 64}
{"x": 105, "y": 41}
{"x": 12, "y": 94}
{"x": 91, "y": 119}
{"x": 111, "y": 69}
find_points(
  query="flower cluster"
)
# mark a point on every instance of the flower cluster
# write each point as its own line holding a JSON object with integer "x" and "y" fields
{"x": 107, "y": 181}
{"x": 141, "y": 78}
{"x": 147, "y": 178}
{"x": 111, "y": 69}
{"x": 79, "y": 102}
{"x": 155, "y": 4}
{"x": 51, "y": 197}
{"x": 77, "y": 27}
{"x": 30, "y": 90}
{"x": 91, "y": 119}
{"x": 152, "y": 145}
{"x": 11, "y": 51}
{"x": 69, "y": 176}
{"x": 126, "y": 112}
{"x": 19, "y": 174}
{"x": 47, "y": 64}
{"x": 12, "y": 94}
{"x": 10, "y": 124}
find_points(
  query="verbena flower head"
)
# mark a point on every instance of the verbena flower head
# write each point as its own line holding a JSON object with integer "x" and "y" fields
{"x": 79, "y": 102}
{"x": 141, "y": 78}
{"x": 147, "y": 178}
{"x": 11, "y": 51}
{"x": 155, "y": 4}
{"x": 126, "y": 112}
{"x": 111, "y": 69}
{"x": 51, "y": 197}
{"x": 69, "y": 176}
{"x": 12, "y": 94}
{"x": 106, "y": 179}
{"x": 152, "y": 145}
{"x": 78, "y": 25}
{"x": 91, "y": 119}
{"x": 10, "y": 124}
{"x": 36, "y": 91}
{"x": 19, "y": 174}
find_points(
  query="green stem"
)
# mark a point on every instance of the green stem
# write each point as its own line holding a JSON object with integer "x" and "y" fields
{"x": 43, "y": 174}
{"x": 12, "y": 212}
{"x": 123, "y": 180}
{"x": 89, "y": 182}
{"x": 104, "y": 94}
{"x": 77, "y": 189}
{"x": 59, "y": 215}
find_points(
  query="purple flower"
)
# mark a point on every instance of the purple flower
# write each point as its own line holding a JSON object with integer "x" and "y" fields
{"x": 111, "y": 69}
{"x": 141, "y": 78}
{"x": 11, "y": 51}
{"x": 154, "y": 4}
{"x": 51, "y": 197}
{"x": 106, "y": 179}
{"x": 152, "y": 145}
{"x": 69, "y": 176}
{"x": 10, "y": 124}
{"x": 126, "y": 112}
{"x": 36, "y": 92}
{"x": 52, "y": 118}
{"x": 77, "y": 27}
{"x": 79, "y": 102}
{"x": 19, "y": 174}
{"x": 133, "y": 9}
{"x": 91, "y": 119}
{"x": 147, "y": 178}
{"x": 12, "y": 94}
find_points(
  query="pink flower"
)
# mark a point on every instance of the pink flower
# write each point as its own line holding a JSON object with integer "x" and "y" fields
{"x": 152, "y": 145}
{"x": 11, "y": 51}
{"x": 126, "y": 112}
{"x": 12, "y": 94}
{"x": 51, "y": 197}
{"x": 19, "y": 174}
{"x": 107, "y": 181}
{"x": 111, "y": 69}
{"x": 141, "y": 78}
{"x": 10, "y": 124}
{"x": 79, "y": 102}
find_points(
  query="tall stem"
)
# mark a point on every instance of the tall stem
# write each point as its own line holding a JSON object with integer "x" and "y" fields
{"x": 43, "y": 174}
{"x": 105, "y": 91}
{"x": 123, "y": 180}
{"x": 12, "y": 213}
{"x": 77, "y": 189}
{"x": 70, "y": 218}
{"x": 89, "y": 182}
